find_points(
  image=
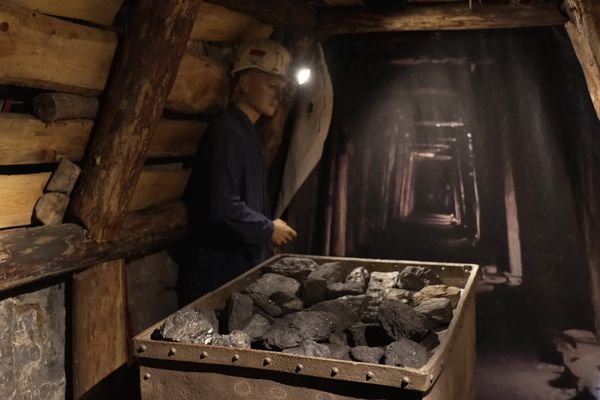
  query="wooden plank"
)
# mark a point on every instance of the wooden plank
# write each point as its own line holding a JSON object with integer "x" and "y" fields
{"x": 292, "y": 16}
{"x": 202, "y": 84}
{"x": 74, "y": 57}
{"x": 77, "y": 59}
{"x": 214, "y": 23}
{"x": 99, "y": 329}
{"x": 219, "y": 24}
{"x": 97, "y": 11}
{"x": 176, "y": 138}
{"x": 26, "y": 140}
{"x": 19, "y": 193}
{"x": 584, "y": 32}
{"x": 439, "y": 17}
{"x": 29, "y": 255}
{"x": 158, "y": 187}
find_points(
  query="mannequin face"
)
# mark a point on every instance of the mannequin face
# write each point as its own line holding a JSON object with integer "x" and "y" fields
{"x": 262, "y": 91}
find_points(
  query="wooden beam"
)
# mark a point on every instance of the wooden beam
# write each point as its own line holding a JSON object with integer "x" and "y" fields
{"x": 584, "y": 31}
{"x": 440, "y": 17}
{"x": 289, "y": 15}
{"x": 176, "y": 138}
{"x": 29, "y": 255}
{"x": 19, "y": 193}
{"x": 158, "y": 187}
{"x": 219, "y": 24}
{"x": 78, "y": 59}
{"x": 26, "y": 140}
{"x": 214, "y": 23}
{"x": 97, "y": 11}
{"x": 202, "y": 84}
{"x": 141, "y": 80}
{"x": 99, "y": 330}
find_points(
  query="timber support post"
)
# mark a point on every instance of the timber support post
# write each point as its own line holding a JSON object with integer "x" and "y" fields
{"x": 143, "y": 74}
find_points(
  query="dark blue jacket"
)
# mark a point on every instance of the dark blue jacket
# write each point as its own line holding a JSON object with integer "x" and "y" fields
{"x": 227, "y": 197}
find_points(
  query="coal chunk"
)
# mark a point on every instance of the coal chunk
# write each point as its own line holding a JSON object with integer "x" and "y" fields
{"x": 416, "y": 278}
{"x": 238, "y": 339}
{"x": 339, "y": 289}
{"x": 380, "y": 281}
{"x": 358, "y": 303}
{"x": 345, "y": 313}
{"x": 313, "y": 291}
{"x": 430, "y": 342}
{"x": 330, "y": 272}
{"x": 293, "y": 267}
{"x": 400, "y": 320}
{"x": 257, "y": 327}
{"x": 406, "y": 353}
{"x": 266, "y": 305}
{"x": 438, "y": 310}
{"x": 238, "y": 311}
{"x": 359, "y": 276}
{"x": 270, "y": 283}
{"x": 190, "y": 326}
{"x": 339, "y": 351}
{"x": 293, "y": 329}
{"x": 287, "y": 302}
{"x": 398, "y": 294}
{"x": 367, "y": 354}
{"x": 437, "y": 291}
{"x": 368, "y": 334}
{"x": 310, "y": 348}
{"x": 338, "y": 338}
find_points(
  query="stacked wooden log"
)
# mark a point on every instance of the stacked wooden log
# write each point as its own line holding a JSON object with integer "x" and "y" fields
{"x": 74, "y": 65}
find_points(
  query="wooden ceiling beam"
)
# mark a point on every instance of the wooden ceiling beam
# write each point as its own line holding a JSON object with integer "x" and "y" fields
{"x": 336, "y": 21}
{"x": 292, "y": 16}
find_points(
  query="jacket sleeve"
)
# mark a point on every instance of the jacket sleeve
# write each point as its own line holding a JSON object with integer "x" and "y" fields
{"x": 226, "y": 206}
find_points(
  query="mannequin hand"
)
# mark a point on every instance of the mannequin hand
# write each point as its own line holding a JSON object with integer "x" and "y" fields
{"x": 282, "y": 233}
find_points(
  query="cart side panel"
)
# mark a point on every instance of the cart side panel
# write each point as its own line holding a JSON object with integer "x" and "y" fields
{"x": 457, "y": 380}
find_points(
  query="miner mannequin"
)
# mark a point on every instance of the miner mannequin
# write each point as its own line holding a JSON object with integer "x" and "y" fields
{"x": 226, "y": 194}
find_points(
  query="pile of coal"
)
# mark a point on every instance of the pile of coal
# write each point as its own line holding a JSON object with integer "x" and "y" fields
{"x": 330, "y": 310}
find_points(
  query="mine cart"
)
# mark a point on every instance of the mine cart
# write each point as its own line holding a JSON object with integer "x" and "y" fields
{"x": 171, "y": 370}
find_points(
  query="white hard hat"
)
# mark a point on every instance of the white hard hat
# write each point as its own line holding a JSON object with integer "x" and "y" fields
{"x": 265, "y": 55}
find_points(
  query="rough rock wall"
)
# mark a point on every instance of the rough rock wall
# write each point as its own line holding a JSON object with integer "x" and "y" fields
{"x": 32, "y": 345}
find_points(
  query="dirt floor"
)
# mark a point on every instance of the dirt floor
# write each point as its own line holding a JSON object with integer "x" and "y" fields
{"x": 512, "y": 363}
